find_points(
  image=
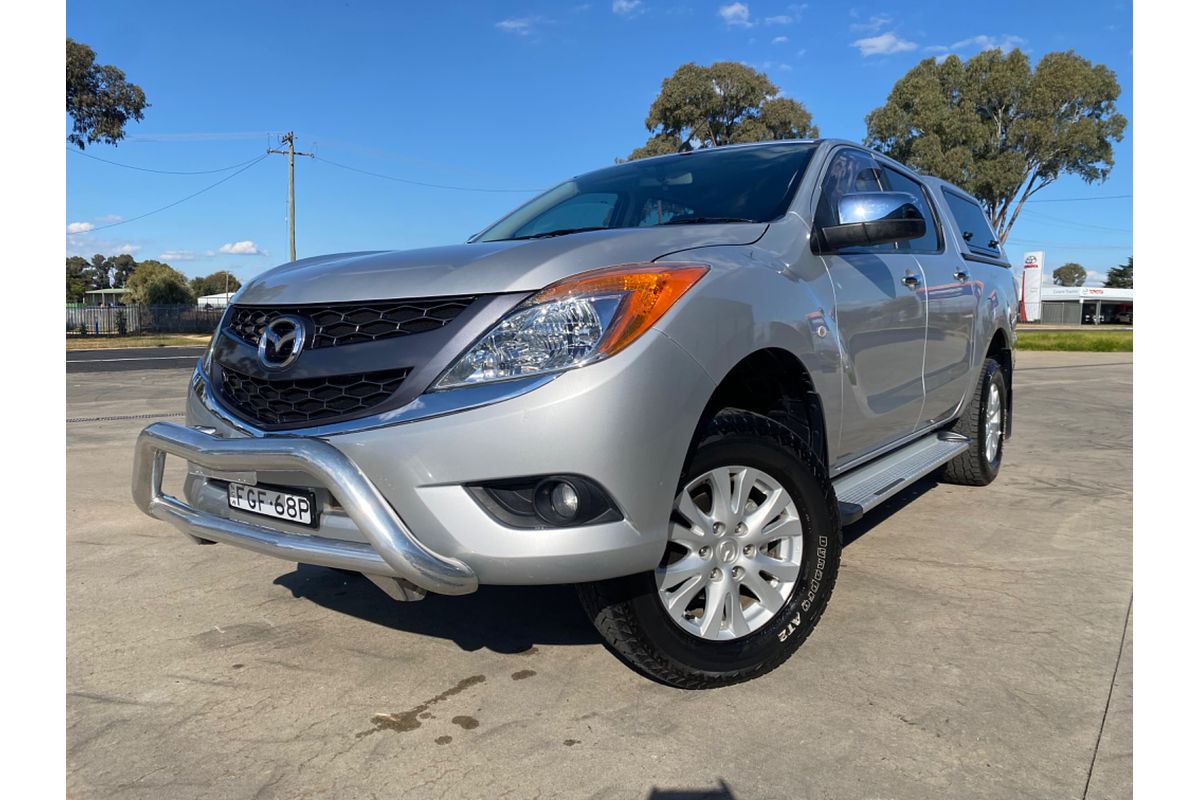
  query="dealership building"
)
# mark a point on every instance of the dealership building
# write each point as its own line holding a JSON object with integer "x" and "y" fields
{"x": 1069, "y": 305}
{"x": 1086, "y": 305}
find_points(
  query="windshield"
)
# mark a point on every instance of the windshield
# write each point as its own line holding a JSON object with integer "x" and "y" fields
{"x": 744, "y": 184}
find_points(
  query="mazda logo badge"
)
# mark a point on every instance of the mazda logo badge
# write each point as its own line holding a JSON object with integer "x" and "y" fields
{"x": 281, "y": 342}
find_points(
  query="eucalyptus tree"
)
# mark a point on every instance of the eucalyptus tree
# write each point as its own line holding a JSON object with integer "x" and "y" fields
{"x": 725, "y": 103}
{"x": 1001, "y": 129}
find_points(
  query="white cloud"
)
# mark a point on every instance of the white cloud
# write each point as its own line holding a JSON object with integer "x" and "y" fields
{"x": 885, "y": 44}
{"x": 1005, "y": 43}
{"x": 246, "y": 248}
{"x": 736, "y": 15}
{"x": 873, "y": 25}
{"x": 129, "y": 249}
{"x": 80, "y": 227}
{"x": 110, "y": 218}
{"x": 177, "y": 255}
{"x": 781, "y": 19}
{"x": 521, "y": 26}
{"x": 627, "y": 8}
{"x": 779, "y": 40}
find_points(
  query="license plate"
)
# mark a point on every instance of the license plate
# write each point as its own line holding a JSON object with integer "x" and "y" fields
{"x": 293, "y": 506}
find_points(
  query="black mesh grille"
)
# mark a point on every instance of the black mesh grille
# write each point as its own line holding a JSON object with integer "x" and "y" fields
{"x": 351, "y": 323}
{"x": 282, "y": 402}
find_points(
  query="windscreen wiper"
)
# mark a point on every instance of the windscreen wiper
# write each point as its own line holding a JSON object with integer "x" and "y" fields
{"x": 560, "y": 232}
{"x": 703, "y": 220}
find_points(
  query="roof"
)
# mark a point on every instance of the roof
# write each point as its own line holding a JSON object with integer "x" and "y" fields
{"x": 106, "y": 291}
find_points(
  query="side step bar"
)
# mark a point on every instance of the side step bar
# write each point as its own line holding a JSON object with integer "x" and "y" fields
{"x": 867, "y": 486}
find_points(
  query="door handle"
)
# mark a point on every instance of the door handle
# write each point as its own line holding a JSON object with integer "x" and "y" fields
{"x": 911, "y": 281}
{"x": 962, "y": 274}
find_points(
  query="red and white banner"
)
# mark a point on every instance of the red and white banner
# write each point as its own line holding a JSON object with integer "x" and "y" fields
{"x": 1031, "y": 287}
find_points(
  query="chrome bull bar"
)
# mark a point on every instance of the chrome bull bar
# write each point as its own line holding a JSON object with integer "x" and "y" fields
{"x": 393, "y": 550}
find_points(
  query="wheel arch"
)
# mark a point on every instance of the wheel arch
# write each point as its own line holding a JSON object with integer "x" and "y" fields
{"x": 773, "y": 382}
{"x": 1001, "y": 349}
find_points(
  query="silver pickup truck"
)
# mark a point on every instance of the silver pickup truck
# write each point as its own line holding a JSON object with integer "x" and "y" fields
{"x": 670, "y": 382}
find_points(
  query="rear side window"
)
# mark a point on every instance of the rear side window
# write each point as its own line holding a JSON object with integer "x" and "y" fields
{"x": 972, "y": 224}
{"x": 931, "y": 241}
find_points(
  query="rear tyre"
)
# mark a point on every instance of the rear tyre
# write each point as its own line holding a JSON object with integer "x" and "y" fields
{"x": 751, "y": 560}
{"x": 982, "y": 422}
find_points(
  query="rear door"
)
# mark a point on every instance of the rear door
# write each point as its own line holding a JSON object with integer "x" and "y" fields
{"x": 951, "y": 304}
{"x": 880, "y": 319}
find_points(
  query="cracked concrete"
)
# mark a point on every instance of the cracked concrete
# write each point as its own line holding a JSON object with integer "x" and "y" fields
{"x": 968, "y": 650}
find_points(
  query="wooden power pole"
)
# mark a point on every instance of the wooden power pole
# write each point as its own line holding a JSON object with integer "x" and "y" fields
{"x": 289, "y": 139}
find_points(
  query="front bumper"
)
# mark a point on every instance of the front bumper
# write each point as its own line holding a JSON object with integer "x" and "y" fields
{"x": 391, "y": 549}
{"x": 625, "y": 423}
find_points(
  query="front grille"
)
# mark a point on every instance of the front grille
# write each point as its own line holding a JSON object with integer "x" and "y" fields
{"x": 283, "y": 402}
{"x": 351, "y": 323}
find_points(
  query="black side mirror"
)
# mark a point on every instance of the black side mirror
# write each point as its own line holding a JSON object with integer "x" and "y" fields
{"x": 869, "y": 218}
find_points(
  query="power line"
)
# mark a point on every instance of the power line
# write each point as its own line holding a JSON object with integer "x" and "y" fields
{"x": 160, "y": 171}
{"x": 177, "y": 202}
{"x": 422, "y": 183}
{"x": 1037, "y": 215}
{"x": 1079, "y": 199}
{"x": 1076, "y": 245}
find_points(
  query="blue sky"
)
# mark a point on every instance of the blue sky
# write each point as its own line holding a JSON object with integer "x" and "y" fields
{"x": 501, "y": 96}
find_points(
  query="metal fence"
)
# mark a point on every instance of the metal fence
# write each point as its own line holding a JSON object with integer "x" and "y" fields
{"x": 124, "y": 320}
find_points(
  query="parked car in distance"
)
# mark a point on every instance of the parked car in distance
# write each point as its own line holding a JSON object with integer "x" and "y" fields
{"x": 670, "y": 382}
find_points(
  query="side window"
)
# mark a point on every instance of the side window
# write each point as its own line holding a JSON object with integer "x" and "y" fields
{"x": 973, "y": 226}
{"x": 591, "y": 210}
{"x": 931, "y": 241}
{"x": 849, "y": 172}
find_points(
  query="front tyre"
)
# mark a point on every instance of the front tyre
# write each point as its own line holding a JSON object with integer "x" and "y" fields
{"x": 751, "y": 559}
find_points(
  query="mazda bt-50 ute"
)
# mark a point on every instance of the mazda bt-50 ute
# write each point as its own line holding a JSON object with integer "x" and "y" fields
{"x": 669, "y": 382}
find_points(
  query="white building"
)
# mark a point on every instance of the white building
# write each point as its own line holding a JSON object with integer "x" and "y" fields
{"x": 1076, "y": 305}
{"x": 214, "y": 300}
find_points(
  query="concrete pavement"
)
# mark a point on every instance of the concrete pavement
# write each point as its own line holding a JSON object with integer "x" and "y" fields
{"x": 969, "y": 649}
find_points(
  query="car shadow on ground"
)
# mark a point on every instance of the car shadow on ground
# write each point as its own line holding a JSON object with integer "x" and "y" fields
{"x": 504, "y": 619}
{"x": 852, "y": 533}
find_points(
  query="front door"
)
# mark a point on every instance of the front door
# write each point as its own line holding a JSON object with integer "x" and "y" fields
{"x": 880, "y": 317}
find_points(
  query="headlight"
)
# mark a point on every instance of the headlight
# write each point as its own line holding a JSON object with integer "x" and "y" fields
{"x": 206, "y": 364}
{"x": 577, "y": 321}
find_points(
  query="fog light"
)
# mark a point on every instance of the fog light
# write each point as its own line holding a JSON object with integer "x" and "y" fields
{"x": 564, "y": 500}
{"x": 546, "y": 501}
{"x": 556, "y": 501}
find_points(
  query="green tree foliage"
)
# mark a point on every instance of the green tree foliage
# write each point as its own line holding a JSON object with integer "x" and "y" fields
{"x": 77, "y": 281}
{"x": 163, "y": 290}
{"x": 99, "y": 273}
{"x": 122, "y": 267}
{"x": 1120, "y": 277}
{"x": 999, "y": 129}
{"x": 99, "y": 99}
{"x": 725, "y": 103}
{"x": 1070, "y": 274}
{"x": 214, "y": 284}
{"x": 155, "y": 283}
